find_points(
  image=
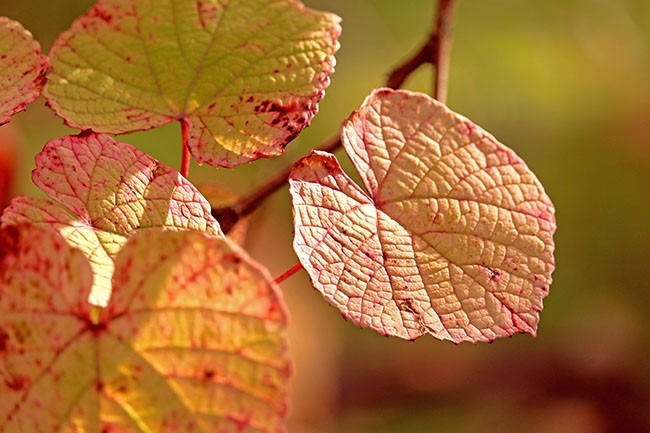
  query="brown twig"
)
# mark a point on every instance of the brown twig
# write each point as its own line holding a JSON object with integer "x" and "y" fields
{"x": 229, "y": 216}
{"x": 441, "y": 54}
{"x": 434, "y": 51}
{"x": 400, "y": 74}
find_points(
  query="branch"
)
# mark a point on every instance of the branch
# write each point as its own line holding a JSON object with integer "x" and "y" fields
{"x": 229, "y": 216}
{"x": 435, "y": 51}
{"x": 401, "y": 73}
{"x": 442, "y": 51}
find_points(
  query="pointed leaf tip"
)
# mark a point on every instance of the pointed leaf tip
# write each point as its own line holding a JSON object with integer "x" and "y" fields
{"x": 22, "y": 67}
{"x": 453, "y": 238}
{"x": 246, "y": 75}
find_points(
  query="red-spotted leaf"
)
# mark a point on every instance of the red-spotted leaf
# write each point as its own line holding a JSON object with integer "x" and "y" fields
{"x": 453, "y": 238}
{"x": 22, "y": 69}
{"x": 246, "y": 76}
{"x": 192, "y": 340}
{"x": 103, "y": 192}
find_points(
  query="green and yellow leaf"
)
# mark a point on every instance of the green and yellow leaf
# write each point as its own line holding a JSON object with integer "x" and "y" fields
{"x": 192, "y": 340}
{"x": 246, "y": 76}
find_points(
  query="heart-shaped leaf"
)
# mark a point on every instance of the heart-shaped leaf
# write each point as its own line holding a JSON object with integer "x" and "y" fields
{"x": 246, "y": 76}
{"x": 109, "y": 191}
{"x": 453, "y": 240}
{"x": 193, "y": 338}
{"x": 23, "y": 69}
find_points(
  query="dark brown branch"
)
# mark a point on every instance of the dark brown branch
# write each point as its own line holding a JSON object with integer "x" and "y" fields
{"x": 434, "y": 51}
{"x": 400, "y": 74}
{"x": 229, "y": 216}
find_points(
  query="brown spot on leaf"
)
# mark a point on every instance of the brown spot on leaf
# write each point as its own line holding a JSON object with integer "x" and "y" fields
{"x": 207, "y": 13}
{"x": 9, "y": 239}
{"x": 17, "y": 383}
{"x": 4, "y": 341}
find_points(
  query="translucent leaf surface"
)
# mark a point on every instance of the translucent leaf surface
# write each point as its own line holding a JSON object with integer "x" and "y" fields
{"x": 193, "y": 339}
{"x": 246, "y": 75}
{"x": 22, "y": 69}
{"x": 454, "y": 238}
{"x": 108, "y": 191}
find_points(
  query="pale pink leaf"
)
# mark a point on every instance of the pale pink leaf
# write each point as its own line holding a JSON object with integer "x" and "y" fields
{"x": 454, "y": 237}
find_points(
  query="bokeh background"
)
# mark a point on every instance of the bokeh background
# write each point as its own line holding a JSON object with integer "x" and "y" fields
{"x": 566, "y": 83}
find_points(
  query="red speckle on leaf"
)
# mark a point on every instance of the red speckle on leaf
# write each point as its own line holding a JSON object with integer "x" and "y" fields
{"x": 273, "y": 309}
{"x": 17, "y": 383}
{"x": 495, "y": 274}
{"x": 469, "y": 127}
{"x": 9, "y": 240}
{"x": 241, "y": 423}
{"x": 4, "y": 338}
{"x": 101, "y": 14}
{"x": 96, "y": 328}
{"x": 207, "y": 12}
{"x": 107, "y": 428}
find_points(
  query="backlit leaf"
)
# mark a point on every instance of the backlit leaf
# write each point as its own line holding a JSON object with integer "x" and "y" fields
{"x": 454, "y": 238}
{"x": 245, "y": 75}
{"x": 108, "y": 191}
{"x": 22, "y": 69}
{"x": 192, "y": 340}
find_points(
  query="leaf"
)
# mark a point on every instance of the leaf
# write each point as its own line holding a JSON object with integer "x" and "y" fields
{"x": 23, "y": 69}
{"x": 108, "y": 191}
{"x": 193, "y": 339}
{"x": 453, "y": 240}
{"x": 246, "y": 76}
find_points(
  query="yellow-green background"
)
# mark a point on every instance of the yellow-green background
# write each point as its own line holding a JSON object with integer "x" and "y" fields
{"x": 567, "y": 85}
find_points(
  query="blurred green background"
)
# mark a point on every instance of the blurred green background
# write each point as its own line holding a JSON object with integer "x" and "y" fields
{"x": 567, "y": 85}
